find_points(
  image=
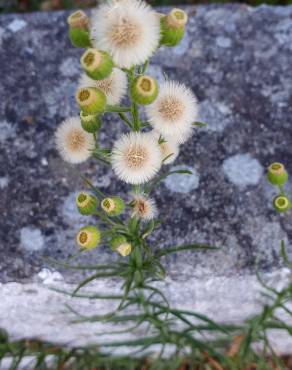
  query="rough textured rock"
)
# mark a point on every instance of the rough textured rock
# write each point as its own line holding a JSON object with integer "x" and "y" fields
{"x": 237, "y": 59}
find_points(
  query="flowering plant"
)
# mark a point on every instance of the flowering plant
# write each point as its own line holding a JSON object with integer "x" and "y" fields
{"x": 120, "y": 38}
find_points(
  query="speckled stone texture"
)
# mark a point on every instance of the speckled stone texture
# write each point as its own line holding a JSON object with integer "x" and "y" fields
{"x": 237, "y": 59}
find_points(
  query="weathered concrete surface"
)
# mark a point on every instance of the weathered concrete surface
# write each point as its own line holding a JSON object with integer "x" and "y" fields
{"x": 34, "y": 310}
{"x": 238, "y": 61}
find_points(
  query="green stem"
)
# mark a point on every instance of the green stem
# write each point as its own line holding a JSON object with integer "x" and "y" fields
{"x": 135, "y": 116}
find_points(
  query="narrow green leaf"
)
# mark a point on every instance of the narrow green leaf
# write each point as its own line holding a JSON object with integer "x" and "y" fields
{"x": 145, "y": 66}
{"x": 284, "y": 254}
{"x": 133, "y": 343}
{"x": 125, "y": 119}
{"x": 101, "y": 158}
{"x": 148, "y": 229}
{"x": 95, "y": 189}
{"x": 200, "y": 124}
{"x": 94, "y": 277}
{"x": 82, "y": 267}
{"x": 184, "y": 248}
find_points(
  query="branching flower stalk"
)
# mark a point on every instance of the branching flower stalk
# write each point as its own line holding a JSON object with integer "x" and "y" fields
{"x": 120, "y": 39}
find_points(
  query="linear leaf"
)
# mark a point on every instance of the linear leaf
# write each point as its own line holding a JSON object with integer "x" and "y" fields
{"x": 184, "y": 248}
{"x": 200, "y": 124}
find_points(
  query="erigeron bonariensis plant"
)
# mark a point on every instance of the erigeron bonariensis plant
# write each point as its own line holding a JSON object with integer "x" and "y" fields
{"x": 119, "y": 40}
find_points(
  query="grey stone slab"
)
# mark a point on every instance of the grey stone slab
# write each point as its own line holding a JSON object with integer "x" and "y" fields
{"x": 237, "y": 59}
{"x": 33, "y": 310}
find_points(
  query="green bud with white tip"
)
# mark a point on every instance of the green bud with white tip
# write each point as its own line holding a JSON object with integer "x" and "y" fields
{"x": 91, "y": 100}
{"x": 78, "y": 29}
{"x": 98, "y": 65}
{"x": 144, "y": 90}
{"x": 172, "y": 27}
{"x": 121, "y": 245}
{"x": 113, "y": 206}
{"x": 90, "y": 122}
{"x": 88, "y": 237}
{"x": 281, "y": 203}
{"x": 277, "y": 175}
{"x": 86, "y": 203}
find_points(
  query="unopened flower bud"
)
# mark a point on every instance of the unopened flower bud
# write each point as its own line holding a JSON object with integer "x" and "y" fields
{"x": 144, "y": 90}
{"x": 86, "y": 203}
{"x": 88, "y": 237}
{"x": 281, "y": 203}
{"x": 90, "y": 122}
{"x": 113, "y": 206}
{"x": 121, "y": 245}
{"x": 277, "y": 175}
{"x": 91, "y": 100}
{"x": 173, "y": 27}
{"x": 78, "y": 29}
{"x": 98, "y": 65}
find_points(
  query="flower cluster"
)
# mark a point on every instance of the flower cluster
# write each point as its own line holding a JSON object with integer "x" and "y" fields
{"x": 120, "y": 38}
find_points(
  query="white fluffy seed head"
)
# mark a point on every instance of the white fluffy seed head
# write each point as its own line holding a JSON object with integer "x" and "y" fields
{"x": 73, "y": 143}
{"x": 173, "y": 112}
{"x": 129, "y": 30}
{"x": 114, "y": 87}
{"x": 136, "y": 158}
{"x": 144, "y": 207}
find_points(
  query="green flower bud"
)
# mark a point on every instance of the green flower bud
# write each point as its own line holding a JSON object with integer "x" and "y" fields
{"x": 121, "y": 245}
{"x": 173, "y": 27}
{"x": 144, "y": 90}
{"x": 91, "y": 100}
{"x": 88, "y": 237}
{"x": 86, "y": 203}
{"x": 78, "y": 31}
{"x": 90, "y": 122}
{"x": 281, "y": 203}
{"x": 113, "y": 206}
{"x": 277, "y": 175}
{"x": 98, "y": 65}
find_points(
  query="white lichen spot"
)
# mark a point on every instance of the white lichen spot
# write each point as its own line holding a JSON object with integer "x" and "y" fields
{"x": 31, "y": 239}
{"x": 4, "y": 181}
{"x": 243, "y": 170}
{"x": 216, "y": 114}
{"x": 223, "y": 42}
{"x": 182, "y": 183}
{"x": 16, "y": 25}
{"x": 7, "y": 131}
{"x": 44, "y": 161}
{"x": 49, "y": 277}
{"x": 70, "y": 67}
